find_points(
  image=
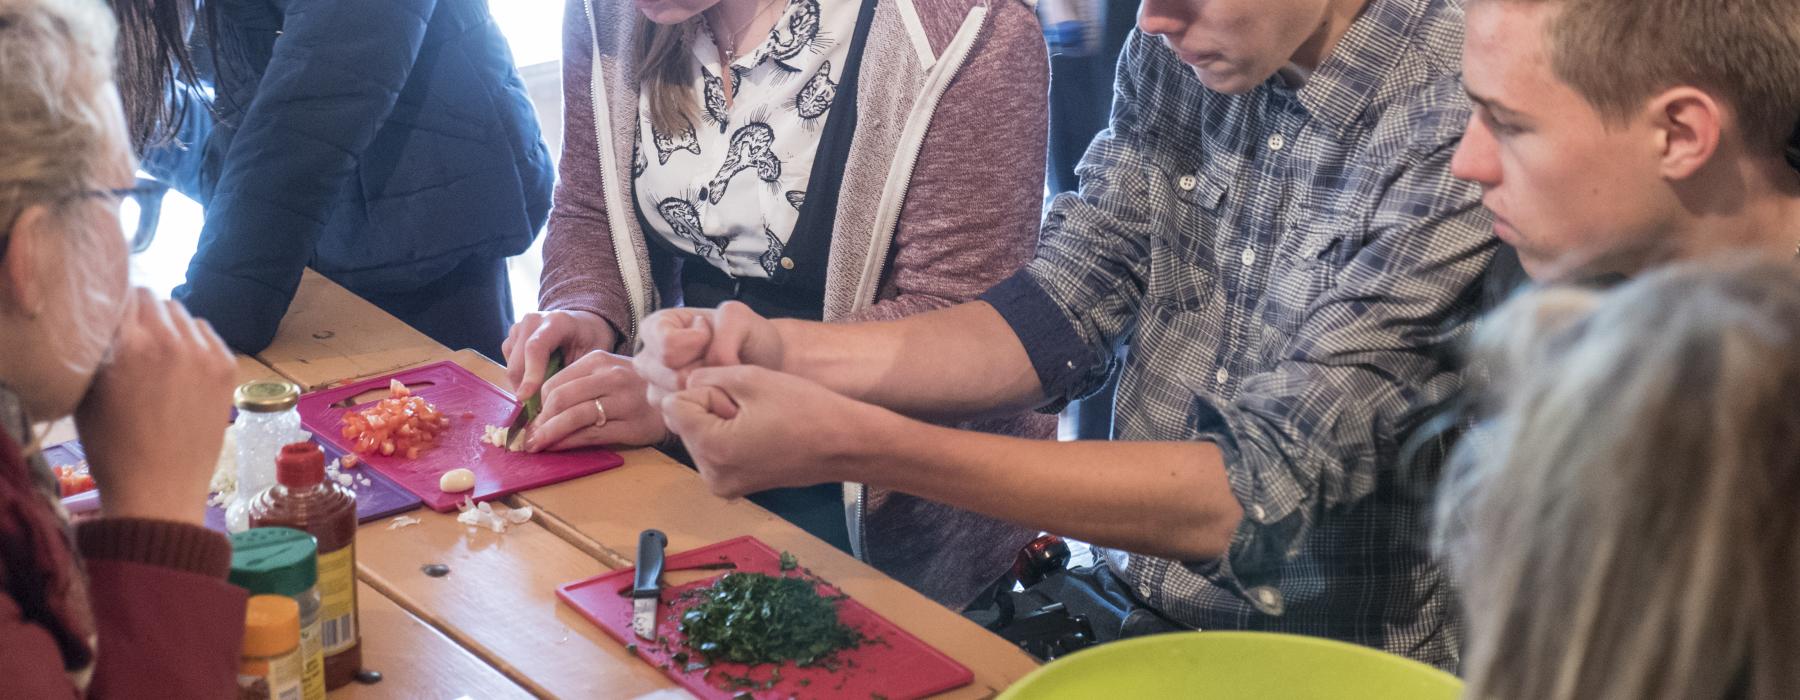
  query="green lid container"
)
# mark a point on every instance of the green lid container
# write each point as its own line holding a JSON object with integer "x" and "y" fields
{"x": 275, "y": 560}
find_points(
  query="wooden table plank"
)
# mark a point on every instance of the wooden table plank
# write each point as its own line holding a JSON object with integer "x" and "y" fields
{"x": 331, "y": 335}
{"x": 499, "y": 602}
{"x": 417, "y": 661}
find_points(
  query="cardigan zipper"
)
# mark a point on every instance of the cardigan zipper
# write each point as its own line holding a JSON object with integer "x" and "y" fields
{"x": 624, "y": 255}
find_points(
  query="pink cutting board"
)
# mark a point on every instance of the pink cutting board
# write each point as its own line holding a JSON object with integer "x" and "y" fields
{"x": 897, "y": 665}
{"x": 471, "y": 404}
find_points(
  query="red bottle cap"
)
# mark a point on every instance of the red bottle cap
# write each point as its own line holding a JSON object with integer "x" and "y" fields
{"x": 301, "y": 465}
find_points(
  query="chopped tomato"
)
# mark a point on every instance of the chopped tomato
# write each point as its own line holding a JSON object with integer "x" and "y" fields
{"x": 71, "y": 480}
{"x": 401, "y": 424}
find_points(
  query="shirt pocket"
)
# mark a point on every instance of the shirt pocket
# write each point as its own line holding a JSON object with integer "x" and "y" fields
{"x": 1182, "y": 252}
{"x": 1305, "y": 270}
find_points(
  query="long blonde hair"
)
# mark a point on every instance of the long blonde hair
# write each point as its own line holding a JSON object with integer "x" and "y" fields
{"x": 1626, "y": 524}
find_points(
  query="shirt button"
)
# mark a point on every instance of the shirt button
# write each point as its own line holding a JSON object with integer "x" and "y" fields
{"x": 1222, "y": 375}
{"x": 1070, "y": 364}
{"x": 1188, "y": 183}
{"x": 787, "y": 263}
{"x": 1257, "y": 513}
{"x": 1277, "y": 142}
{"x": 1249, "y": 256}
{"x": 1268, "y": 599}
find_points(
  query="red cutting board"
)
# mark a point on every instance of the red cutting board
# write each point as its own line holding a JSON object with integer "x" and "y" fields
{"x": 899, "y": 666}
{"x": 455, "y": 392}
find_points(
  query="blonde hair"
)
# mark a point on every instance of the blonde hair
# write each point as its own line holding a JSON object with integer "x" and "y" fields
{"x": 1624, "y": 525}
{"x": 57, "y": 57}
{"x": 1618, "y": 53}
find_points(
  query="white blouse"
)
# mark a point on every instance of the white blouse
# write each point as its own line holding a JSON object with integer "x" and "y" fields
{"x": 730, "y": 189}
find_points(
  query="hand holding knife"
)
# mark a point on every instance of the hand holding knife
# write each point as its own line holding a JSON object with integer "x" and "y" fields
{"x": 530, "y": 406}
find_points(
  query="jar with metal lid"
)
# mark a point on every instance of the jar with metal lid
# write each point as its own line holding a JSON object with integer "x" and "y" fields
{"x": 266, "y": 420}
{"x": 269, "y": 667}
{"x": 284, "y": 561}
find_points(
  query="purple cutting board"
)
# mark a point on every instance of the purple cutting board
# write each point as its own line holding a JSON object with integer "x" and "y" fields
{"x": 378, "y": 499}
{"x": 472, "y": 404}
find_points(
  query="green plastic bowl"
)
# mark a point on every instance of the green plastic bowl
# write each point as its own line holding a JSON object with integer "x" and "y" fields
{"x": 1235, "y": 665}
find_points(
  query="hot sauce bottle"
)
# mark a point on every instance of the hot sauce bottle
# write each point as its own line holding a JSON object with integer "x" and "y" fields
{"x": 303, "y": 499}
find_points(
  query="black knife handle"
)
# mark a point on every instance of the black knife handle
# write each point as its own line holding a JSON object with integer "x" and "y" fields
{"x": 649, "y": 563}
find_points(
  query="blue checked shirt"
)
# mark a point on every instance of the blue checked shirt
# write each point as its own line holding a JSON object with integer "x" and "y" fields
{"x": 1286, "y": 266}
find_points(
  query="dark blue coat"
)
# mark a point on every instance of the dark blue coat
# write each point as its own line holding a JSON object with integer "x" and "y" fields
{"x": 381, "y": 142}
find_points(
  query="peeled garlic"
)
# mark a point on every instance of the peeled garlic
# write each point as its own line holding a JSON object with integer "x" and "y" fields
{"x": 456, "y": 481}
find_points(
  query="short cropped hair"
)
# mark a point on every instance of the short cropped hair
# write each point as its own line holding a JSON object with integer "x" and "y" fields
{"x": 1618, "y": 53}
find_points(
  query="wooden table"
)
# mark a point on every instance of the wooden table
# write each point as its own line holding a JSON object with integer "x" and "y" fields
{"x": 492, "y": 627}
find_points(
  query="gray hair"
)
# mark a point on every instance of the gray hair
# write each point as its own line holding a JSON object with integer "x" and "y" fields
{"x": 57, "y": 57}
{"x": 1624, "y": 525}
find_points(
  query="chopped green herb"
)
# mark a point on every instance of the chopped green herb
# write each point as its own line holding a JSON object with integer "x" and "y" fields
{"x": 877, "y": 696}
{"x": 788, "y": 562}
{"x": 751, "y": 618}
{"x": 805, "y": 682}
{"x": 631, "y": 648}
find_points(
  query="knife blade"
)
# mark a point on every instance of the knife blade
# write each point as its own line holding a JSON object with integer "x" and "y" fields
{"x": 646, "y": 591}
{"x": 529, "y": 406}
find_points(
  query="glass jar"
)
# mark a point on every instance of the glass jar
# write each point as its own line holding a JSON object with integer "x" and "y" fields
{"x": 267, "y": 419}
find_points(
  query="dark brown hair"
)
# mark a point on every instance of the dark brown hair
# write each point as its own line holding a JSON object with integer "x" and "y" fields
{"x": 153, "y": 56}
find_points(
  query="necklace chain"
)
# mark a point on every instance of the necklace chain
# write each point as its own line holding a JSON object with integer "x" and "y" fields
{"x": 731, "y": 50}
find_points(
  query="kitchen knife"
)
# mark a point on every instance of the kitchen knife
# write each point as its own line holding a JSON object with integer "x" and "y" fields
{"x": 646, "y": 592}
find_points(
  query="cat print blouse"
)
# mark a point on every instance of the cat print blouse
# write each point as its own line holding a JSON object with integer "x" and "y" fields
{"x": 729, "y": 189}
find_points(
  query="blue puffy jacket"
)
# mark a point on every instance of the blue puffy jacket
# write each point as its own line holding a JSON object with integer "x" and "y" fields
{"x": 380, "y": 142}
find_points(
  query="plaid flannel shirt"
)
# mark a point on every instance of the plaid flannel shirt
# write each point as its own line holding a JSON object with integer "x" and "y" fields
{"x": 1286, "y": 266}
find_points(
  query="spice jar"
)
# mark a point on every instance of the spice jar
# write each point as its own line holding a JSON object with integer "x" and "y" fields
{"x": 270, "y": 667}
{"x": 283, "y": 561}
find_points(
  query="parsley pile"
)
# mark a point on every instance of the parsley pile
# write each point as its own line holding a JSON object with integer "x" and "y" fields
{"x": 752, "y": 618}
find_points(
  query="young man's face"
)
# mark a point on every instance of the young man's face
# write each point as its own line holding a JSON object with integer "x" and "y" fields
{"x": 1572, "y": 192}
{"x": 1235, "y": 45}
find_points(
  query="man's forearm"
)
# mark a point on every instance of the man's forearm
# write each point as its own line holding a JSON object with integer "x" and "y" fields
{"x": 1169, "y": 499}
{"x": 955, "y": 363}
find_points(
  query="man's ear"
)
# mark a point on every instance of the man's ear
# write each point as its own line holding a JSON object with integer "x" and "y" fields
{"x": 20, "y": 285}
{"x": 1689, "y": 124}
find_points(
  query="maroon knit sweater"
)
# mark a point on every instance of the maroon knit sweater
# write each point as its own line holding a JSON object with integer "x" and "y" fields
{"x": 124, "y": 608}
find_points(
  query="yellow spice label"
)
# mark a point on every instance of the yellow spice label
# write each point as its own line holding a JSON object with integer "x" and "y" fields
{"x": 312, "y": 659}
{"x": 337, "y": 594}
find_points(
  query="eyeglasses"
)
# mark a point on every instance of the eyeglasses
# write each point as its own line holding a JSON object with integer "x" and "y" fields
{"x": 140, "y": 206}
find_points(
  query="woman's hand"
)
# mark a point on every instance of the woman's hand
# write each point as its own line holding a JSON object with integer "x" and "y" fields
{"x": 597, "y": 400}
{"x": 154, "y": 419}
{"x": 529, "y": 343}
